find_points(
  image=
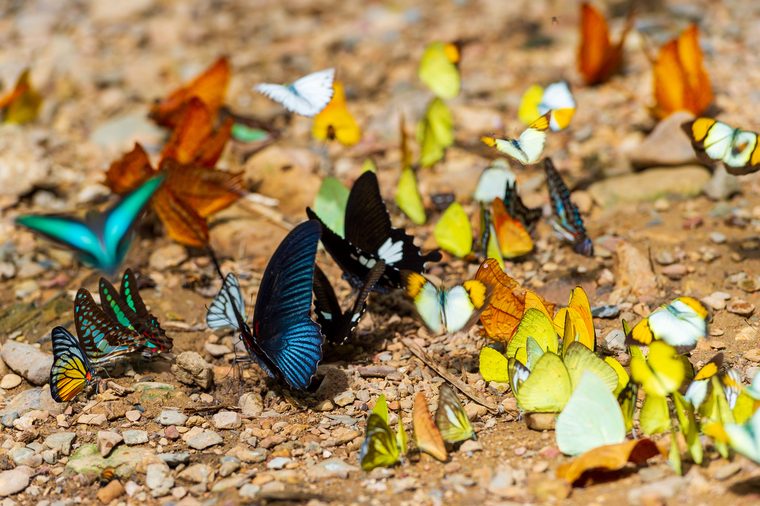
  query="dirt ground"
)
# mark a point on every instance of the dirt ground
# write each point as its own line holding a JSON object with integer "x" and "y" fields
{"x": 100, "y": 65}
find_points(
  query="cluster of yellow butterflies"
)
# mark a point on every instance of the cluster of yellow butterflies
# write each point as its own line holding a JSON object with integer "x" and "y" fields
{"x": 383, "y": 448}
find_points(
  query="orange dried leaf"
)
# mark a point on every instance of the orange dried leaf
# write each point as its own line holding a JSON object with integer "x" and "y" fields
{"x": 608, "y": 458}
{"x": 206, "y": 191}
{"x": 597, "y": 58}
{"x": 212, "y": 149}
{"x": 191, "y": 134}
{"x": 181, "y": 222}
{"x": 210, "y": 87}
{"x": 680, "y": 79}
{"x": 129, "y": 172}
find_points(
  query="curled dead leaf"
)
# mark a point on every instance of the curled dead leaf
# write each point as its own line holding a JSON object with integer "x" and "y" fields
{"x": 608, "y": 458}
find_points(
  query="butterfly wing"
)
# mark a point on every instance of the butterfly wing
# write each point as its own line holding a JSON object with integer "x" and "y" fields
{"x": 328, "y": 311}
{"x": 71, "y": 371}
{"x": 316, "y": 89}
{"x": 514, "y": 240}
{"x": 351, "y": 318}
{"x": 228, "y": 307}
{"x": 69, "y": 232}
{"x": 450, "y": 417}
{"x": 115, "y": 306}
{"x": 568, "y": 221}
{"x": 453, "y": 232}
{"x": 515, "y": 207}
{"x": 288, "y": 99}
{"x": 281, "y": 324}
{"x": 408, "y": 197}
{"x": 146, "y": 324}
{"x": 426, "y": 435}
{"x": 330, "y": 204}
{"x": 438, "y": 71}
{"x": 493, "y": 365}
{"x": 426, "y": 299}
{"x": 578, "y": 359}
{"x": 463, "y": 304}
{"x": 547, "y": 388}
{"x": 379, "y": 448}
{"x": 595, "y": 44}
{"x": 335, "y": 122}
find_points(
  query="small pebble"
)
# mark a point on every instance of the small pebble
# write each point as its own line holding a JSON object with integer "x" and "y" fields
{"x": 717, "y": 238}
{"x": 742, "y": 308}
{"x": 10, "y": 381}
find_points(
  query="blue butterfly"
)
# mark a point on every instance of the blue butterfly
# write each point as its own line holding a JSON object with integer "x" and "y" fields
{"x": 567, "y": 219}
{"x": 283, "y": 339}
{"x": 102, "y": 239}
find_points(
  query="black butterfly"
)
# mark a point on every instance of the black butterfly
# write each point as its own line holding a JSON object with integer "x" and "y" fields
{"x": 369, "y": 238}
{"x": 128, "y": 308}
{"x": 283, "y": 340}
{"x": 526, "y": 215}
{"x": 567, "y": 219}
{"x": 337, "y": 325}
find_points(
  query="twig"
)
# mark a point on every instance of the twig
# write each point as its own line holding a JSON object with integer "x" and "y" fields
{"x": 442, "y": 372}
{"x": 268, "y": 213}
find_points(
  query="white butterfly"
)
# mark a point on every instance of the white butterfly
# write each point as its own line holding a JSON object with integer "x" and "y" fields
{"x": 307, "y": 96}
{"x": 527, "y": 148}
{"x": 221, "y": 313}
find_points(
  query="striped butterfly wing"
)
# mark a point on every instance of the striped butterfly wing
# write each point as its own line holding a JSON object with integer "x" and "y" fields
{"x": 379, "y": 448}
{"x": 103, "y": 340}
{"x": 71, "y": 371}
{"x": 568, "y": 221}
{"x": 526, "y": 215}
{"x": 451, "y": 419}
{"x": 227, "y": 311}
{"x": 147, "y": 324}
{"x": 283, "y": 334}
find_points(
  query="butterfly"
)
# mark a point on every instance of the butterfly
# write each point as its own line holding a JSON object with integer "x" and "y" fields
{"x": 71, "y": 372}
{"x": 193, "y": 189}
{"x": 435, "y": 132}
{"x": 714, "y": 141}
{"x": 680, "y": 79}
{"x": 101, "y": 240}
{"x": 23, "y": 102}
{"x": 489, "y": 243}
{"x": 527, "y": 148}
{"x": 745, "y": 439}
{"x": 334, "y": 122}
{"x": 128, "y": 308}
{"x": 453, "y": 232}
{"x": 493, "y": 181}
{"x": 337, "y": 325}
{"x": 438, "y": 69}
{"x": 105, "y": 341}
{"x": 661, "y": 373}
{"x": 455, "y": 309}
{"x": 514, "y": 240}
{"x": 567, "y": 219}
{"x": 578, "y": 315}
{"x": 381, "y": 447}
{"x": 209, "y": 87}
{"x": 330, "y": 204}
{"x": 700, "y": 385}
{"x": 597, "y": 58}
{"x": 556, "y": 98}
{"x": 425, "y": 434}
{"x": 282, "y": 339}
{"x": 369, "y": 237}
{"x": 407, "y": 195}
{"x": 451, "y": 419}
{"x": 590, "y": 419}
{"x": 306, "y": 96}
{"x": 527, "y": 216}
{"x": 680, "y": 324}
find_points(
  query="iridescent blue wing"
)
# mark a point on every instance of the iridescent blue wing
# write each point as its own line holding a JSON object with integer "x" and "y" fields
{"x": 68, "y": 232}
{"x": 146, "y": 324}
{"x": 71, "y": 371}
{"x": 102, "y": 339}
{"x": 282, "y": 328}
{"x": 568, "y": 221}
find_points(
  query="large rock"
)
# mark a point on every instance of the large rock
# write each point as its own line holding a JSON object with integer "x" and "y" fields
{"x": 667, "y": 144}
{"x": 27, "y": 361}
{"x": 28, "y": 400}
{"x": 723, "y": 185}
{"x": 191, "y": 369}
{"x": 124, "y": 459}
{"x": 331, "y": 468}
{"x": 686, "y": 182}
{"x": 13, "y": 482}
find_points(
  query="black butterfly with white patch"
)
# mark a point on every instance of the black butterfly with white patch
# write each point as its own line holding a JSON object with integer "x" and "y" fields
{"x": 370, "y": 237}
{"x": 337, "y": 325}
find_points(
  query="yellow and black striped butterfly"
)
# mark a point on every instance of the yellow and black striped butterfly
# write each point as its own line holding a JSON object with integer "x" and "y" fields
{"x": 71, "y": 371}
{"x": 106, "y": 476}
{"x": 714, "y": 141}
{"x": 451, "y": 419}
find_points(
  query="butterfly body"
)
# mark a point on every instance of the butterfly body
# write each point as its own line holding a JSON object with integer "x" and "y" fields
{"x": 307, "y": 96}
{"x": 71, "y": 371}
{"x": 567, "y": 219}
{"x": 527, "y": 148}
{"x": 369, "y": 237}
{"x": 102, "y": 239}
{"x": 283, "y": 340}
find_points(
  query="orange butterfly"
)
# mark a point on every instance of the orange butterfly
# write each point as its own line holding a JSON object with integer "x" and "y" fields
{"x": 680, "y": 79}
{"x": 508, "y": 302}
{"x": 193, "y": 189}
{"x": 426, "y": 435}
{"x": 21, "y": 104}
{"x": 597, "y": 58}
{"x": 514, "y": 240}
{"x": 210, "y": 87}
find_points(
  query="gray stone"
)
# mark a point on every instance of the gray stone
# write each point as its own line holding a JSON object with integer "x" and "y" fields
{"x": 345, "y": 398}
{"x": 13, "y": 482}
{"x": 331, "y": 468}
{"x": 229, "y": 466}
{"x": 649, "y": 474}
{"x": 234, "y": 482}
{"x": 722, "y": 185}
{"x": 278, "y": 462}
{"x": 725, "y": 471}
{"x": 501, "y": 484}
{"x": 175, "y": 459}
{"x": 190, "y": 368}
{"x": 61, "y": 441}
{"x": 613, "y": 343}
{"x": 606, "y": 311}
{"x": 249, "y": 491}
{"x": 663, "y": 257}
{"x": 170, "y": 417}
{"x": 113, "y": 133}
{"x": 204, "y": 440}
{"x": 21, "y": 454}
{"x": 227, "y": 420}
{"x": 135, "y": 437}
{"x": 107, "y": 440}
{"x": 197, "y": 473}
{"x": 159, "y": 479}
{"x": 717, "y": 238}
{"x": 7, "y": 420}
{"x": 658, "y": 491}
{"x": 217, "y": 350}
{"x": 651, "y": 184}
{"x": 27, "y": 361}
{"x": 251, "y": 404}
{"x": 667, "y": 144}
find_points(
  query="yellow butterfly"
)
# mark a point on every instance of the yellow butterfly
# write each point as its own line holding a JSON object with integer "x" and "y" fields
{"x": 489, "y": 242}
{"x": 714, "y": 141}
{"x": 435, "y": 132}
{"x": 527, "y": 148}
{"x": 451, "y": 419}
{"x": 381, "y": 447}
{"x": 407, "y": 195}
{"x": 335, "y": 122}
{"x": 661, "y": 373}
{"x": 22, "y": 104}
{"x": 453, "y": 231}
{"x": 556, "y": 98}
{"x": 578, "y": 314}
{"x": 438, "y": 69}
{"x": 680, "y": 324}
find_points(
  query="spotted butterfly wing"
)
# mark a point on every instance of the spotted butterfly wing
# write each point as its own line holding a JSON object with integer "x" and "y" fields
{"x": 567, "y": 218}
{"x": 307, "y": 96}
{"x": 283, "y": 339}
{"x": 71, "y": 371}
{"x": 102, "y": 239}
{"x": 105, "y": 341}
{"x": 370, "y": 237}
{"x": 528, "y": 216}
{"x": 337, "y": 325}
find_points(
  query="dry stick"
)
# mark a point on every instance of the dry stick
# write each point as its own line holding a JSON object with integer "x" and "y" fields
{"x": 433, "y": 364}
{"x": 268, "y": 213}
